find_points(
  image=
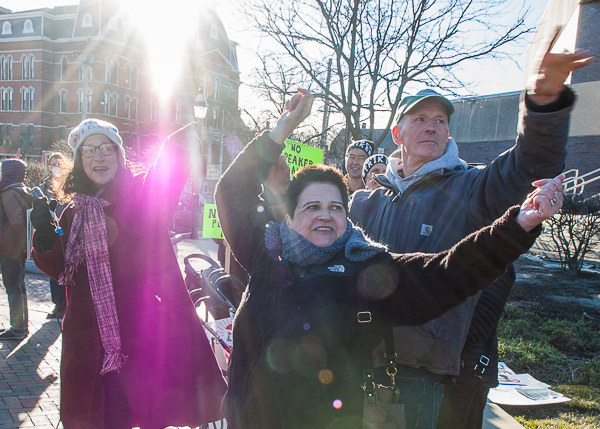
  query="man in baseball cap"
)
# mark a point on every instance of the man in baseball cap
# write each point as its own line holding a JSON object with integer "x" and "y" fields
{"x": 431, "y": 199}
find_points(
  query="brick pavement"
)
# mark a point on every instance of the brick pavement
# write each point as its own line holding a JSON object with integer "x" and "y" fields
{"x": 29, "y": 370}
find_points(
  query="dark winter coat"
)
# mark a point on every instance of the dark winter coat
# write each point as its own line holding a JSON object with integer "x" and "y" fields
{"x": 15, "y": 200}
{"x": 443, "y": 207}
{"x": 170, "y": 376}
{"x": 298, "y": 348}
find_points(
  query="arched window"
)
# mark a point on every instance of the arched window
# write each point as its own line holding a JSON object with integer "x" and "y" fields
{"x": 114, "y": 78}
{"x": 134, "y": 108}
{"x": 81, "y": 98}
{"x": 6, "y": 28}
{"x": 10, "y": 98}
{"x": 24, "y": 67}
{"x": 107, "y": 70}
{"x": 62, "y": 101}
{"x": 31, "y": 67}
{"x": 217, "y": 87}
{"x": 134, "y": 77}
{"x": 128, "y": 107}
{"x": 2, "y": 99}
{"x": 31, "y": 104}
{"x": 28, "y": 27}
{"x": 63, "y": 69}
{"x": 216, "y": 117}
{"x": 10, "y": 67}
{"x": 86, "y": 21}
{"x": 114, "y": 104}
{"x": 24, "y": 102}
{"x": 2, "y": 68}
{"x": 214, "y": 32}
{"x": 105, "y": 101}
{"x": 128, "y": 76}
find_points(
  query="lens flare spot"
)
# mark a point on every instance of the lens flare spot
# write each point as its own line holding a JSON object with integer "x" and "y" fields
{"x": 337, "y": 404}
{"x": 306, "y": 326}
{"x": 260, "y": 209}
{"x": 326, "y": 377}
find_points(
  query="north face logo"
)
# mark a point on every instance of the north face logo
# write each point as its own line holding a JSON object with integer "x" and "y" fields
{"x": 337, "y": 268}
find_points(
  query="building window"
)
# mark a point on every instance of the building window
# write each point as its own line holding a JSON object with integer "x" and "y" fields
{"x": 9, "y": 95}
{"x": 3, "y": 103}
{"x": 112, "y": 24}
{"x": 114, "y": 78}
{"x": 31, "y": 67}
{"x": 62, "y": 103}
{"x": 214, "y": 32}
{"x": 107, "y": 70}
{"x": 24, "y": 102}
{"x": 134, "y": 108}
{"x": 217, "y": 86}
{"x": 152, "y": 110}
{"x": 114, "y": 104}
{"x": 128, "y": 76}
{"x": 28, "y": 27}
{"x": 2, "y": 68}
{"x": 62, "y": 132}
{"x": 216, "y": 117}
{"x": 81, "y": 100}
{"x": 63, "y": 69}
{"x": 10, "y": 67}
{"x": 128, "y": 107}
{"x": 25, "y": 67}
{"x": 105, "y": 101}
{"x": 134, "y": 78}
{"x": 31, "y": 92}
{"x": 178, "y": 111}
{"x": 6, "y": 28}
{"x": 86, "y": 22}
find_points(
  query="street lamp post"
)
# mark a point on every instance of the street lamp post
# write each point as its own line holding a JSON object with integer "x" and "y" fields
{"x": 200, "y": 110}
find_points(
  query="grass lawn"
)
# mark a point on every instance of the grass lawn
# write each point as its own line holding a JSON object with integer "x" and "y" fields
{"x": 562, "y": 353}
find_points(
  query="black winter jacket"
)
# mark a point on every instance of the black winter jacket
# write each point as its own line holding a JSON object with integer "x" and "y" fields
{"x": 443, "y": 207}
{"x": 298, "y": 349}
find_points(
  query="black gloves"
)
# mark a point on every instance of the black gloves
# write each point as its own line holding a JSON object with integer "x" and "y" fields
{"x": 42, "y": 221}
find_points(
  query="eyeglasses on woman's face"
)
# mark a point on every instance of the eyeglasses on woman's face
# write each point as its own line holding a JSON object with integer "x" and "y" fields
{"x": 106, "y": 149}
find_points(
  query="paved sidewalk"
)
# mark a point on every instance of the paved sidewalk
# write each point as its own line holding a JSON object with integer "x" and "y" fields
{"x": 30, "y": 369}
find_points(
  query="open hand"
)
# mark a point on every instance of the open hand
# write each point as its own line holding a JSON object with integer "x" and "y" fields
{"x": 542, "y": 203}
{"x": 545, "y": 86}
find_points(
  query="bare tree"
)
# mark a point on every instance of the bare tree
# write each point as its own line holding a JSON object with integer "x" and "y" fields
{"x": 574, "y": 228}
{"x": 378, "y": 47}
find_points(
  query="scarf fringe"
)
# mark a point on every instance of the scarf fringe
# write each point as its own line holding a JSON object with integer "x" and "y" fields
{"x": 113, "y": 362}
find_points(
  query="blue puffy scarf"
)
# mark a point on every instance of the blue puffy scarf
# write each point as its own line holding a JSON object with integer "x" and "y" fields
{"x": 284, "y": 243}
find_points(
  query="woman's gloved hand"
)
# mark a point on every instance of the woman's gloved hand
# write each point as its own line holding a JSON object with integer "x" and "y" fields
{"x": 42, "y": 221}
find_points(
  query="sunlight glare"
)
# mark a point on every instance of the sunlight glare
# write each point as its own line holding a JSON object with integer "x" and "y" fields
{"x": 166, "y": 28}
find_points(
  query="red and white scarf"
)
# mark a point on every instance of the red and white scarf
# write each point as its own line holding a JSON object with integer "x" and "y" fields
{"x": 88, "y": 243}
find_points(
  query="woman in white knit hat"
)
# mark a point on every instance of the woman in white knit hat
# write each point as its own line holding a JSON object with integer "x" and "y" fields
{"x": 134, "y": 352}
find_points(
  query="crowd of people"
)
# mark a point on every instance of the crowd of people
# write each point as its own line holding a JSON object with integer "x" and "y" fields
{"x": 389, "y": 279}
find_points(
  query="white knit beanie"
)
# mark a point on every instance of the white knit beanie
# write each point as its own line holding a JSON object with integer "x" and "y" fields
{"x": 95, "y": 126}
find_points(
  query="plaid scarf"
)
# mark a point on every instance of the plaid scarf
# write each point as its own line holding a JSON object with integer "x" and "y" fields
{"x": 88, "y": 243}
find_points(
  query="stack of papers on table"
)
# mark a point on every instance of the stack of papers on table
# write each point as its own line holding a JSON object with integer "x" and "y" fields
{"x": 522, "y": 389}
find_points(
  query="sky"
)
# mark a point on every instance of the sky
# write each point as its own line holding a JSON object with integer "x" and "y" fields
{"x": 483, "y": 77}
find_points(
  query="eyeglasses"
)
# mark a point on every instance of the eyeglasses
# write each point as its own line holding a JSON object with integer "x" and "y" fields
{"x": 106, "y": 149}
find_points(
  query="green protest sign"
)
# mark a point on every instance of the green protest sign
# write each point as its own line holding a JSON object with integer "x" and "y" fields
{"x": 211, "y": 228}
{"x": 298, "y": 155}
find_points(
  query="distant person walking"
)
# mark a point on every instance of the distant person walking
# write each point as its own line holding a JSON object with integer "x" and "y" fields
{"x": 14, "y": 203}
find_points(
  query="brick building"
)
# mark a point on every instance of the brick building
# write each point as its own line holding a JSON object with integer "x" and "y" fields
{"x": 60, "y": 65}
{"x": 487, "y": 126}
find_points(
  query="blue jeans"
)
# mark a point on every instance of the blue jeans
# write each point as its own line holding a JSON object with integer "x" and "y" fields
{"x": 13, "y": 277}
{"x": 421, "y": 392}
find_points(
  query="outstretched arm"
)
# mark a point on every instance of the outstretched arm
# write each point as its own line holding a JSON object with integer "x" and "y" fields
{"x": 242, "y": 213}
